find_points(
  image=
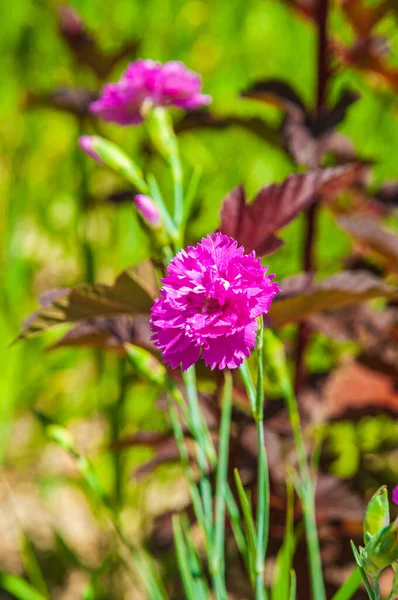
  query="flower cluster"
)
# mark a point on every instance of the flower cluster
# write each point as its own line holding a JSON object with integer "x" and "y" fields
{"x": 152, "y": 83}
{"x": 210, "y": 300}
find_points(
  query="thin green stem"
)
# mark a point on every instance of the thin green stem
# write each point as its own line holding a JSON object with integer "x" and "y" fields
{"x": 262, "y": 517}
{"x": 179, "y": 438}
{"x": 307, "y": 492}
{"x": 116, "y": 419}
{"x": 200, "y": 432}
{"x": 249, "y": 385}
{"x": 176, "y": 169}
{"x": 221, "y": 480}
{"x": 196, "y": 425}
{"x": 377, "y": 589}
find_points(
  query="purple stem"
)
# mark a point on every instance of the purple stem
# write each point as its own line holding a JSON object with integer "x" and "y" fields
{"x": 309, "y": 264}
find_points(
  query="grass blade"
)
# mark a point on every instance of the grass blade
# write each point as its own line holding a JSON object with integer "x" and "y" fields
{"x": 349, "y": 587}
{"x": 248, "y": 518}
{"x": 281, "y": 584}
{"x": 19, "y": 588}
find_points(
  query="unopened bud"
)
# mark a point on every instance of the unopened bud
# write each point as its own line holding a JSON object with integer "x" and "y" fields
{"x": 148, "y": 210}
{"x": 105, "y": 152}
{"x": 86, "y": 143}
{"x": 377, "y": 513}
{"x": 381, "y": 551}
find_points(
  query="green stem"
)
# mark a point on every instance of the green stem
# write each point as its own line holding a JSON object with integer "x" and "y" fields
{"x": 262, "y": 511}
{"x": 262, "y": 517}
{"x": 377, "y": 589}
{"x": 116, "y": 426}
{"x": 249, "y": 385}
{"x": 194, "y": 493}
{"x": 85, "y": 246}
{"x": 196, "y": 425}
{"x": 200, "y": 433}
{"x": 176, "y": 169}
{"x": 221, "y": 480}
{"x": 307, "y": 492}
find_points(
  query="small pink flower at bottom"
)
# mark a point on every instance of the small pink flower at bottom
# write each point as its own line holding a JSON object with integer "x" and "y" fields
{"x": 210, "y": 300}
{"x": 152, "y": 83}
{"x": 394, "y": 495}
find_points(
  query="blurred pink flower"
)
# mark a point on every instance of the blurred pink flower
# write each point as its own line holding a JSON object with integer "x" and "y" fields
{"x": 210, "y": 300}
{"x": 152, "y": 83}
{"x": 394, "y": 495}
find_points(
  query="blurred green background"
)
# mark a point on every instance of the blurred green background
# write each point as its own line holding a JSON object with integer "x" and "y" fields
{"x": 58, "y": 229}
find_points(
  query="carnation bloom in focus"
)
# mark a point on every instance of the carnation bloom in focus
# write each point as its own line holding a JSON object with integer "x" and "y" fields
{"x": 210, "y": 300}
{"x": 152, "y": 83}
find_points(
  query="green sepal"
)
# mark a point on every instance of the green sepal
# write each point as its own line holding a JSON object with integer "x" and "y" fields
{"x": 377, "y": 513}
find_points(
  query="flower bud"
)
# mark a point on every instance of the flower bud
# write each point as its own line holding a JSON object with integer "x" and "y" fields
{"x": 377, "y": 513}
{"x": 86, "y": 144}
{"x": 109, "y": 154}
{"x": 148, "y": 210}
{"x": 381, "y": 551}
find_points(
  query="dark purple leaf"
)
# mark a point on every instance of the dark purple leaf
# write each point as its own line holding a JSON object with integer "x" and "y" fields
{"x": 255, "y": 225}
{"x": 372, "y": 235}
{"x": 85, "y": 48}
{"x": 301, "y": 296}
{"x": 67, "y": 99}
{"x": 132, "y": 293}
{"x": 280, "y": 93}
{"x": 204, "y": 118}
{"x": 108, "y": 333}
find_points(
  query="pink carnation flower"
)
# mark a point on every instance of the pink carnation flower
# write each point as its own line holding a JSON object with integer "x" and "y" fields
{"x": 210, "y": 299}
{"x": 171, "y": 84}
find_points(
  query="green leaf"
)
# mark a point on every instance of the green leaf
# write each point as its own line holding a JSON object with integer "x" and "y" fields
{"x": 377, "y": 513}
{"x": 248, "y": 517}
{"x": 19, "y": 588}
{"x": 283, "y": 564}
{"x": 293, "y": 585}
{"x": 365, "y": 579}
{"x": 349, "y": 587}
{"x": 182, "y": 559}
{"x": 32, "y": 567}
{"x": 381, "y": 551}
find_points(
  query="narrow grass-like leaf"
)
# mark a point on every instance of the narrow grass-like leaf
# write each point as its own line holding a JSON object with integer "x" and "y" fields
{"x": 349, "y": 587}
{"x": 201, "y": 591}
{"x": 191, "y": 190}
{"x": 182, "y": 559}
{"x": 19, "y": 588}
{"x": 248, "y": 517}
{"x": 281, "y": 585}
{"x": 164, "y": 213}
{"x": 222, "y": 472}
{"x": 32, "y": 568}
{"x": 365, "y": 579}
{"x": 293, "y": 585}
